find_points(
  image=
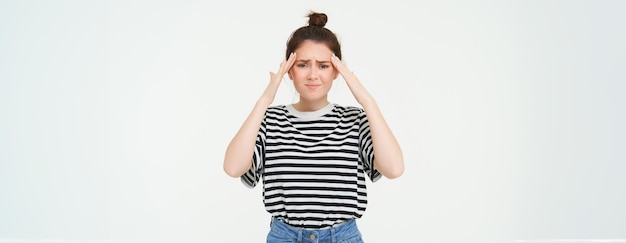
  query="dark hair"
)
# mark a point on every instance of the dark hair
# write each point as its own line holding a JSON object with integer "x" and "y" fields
{"x": 315, "y": 31}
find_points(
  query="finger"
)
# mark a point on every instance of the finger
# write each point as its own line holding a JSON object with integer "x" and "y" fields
{"x": 334, "y": 59}
{"x": 292, "y": 57}
{"x": 289, "y": 63}
{"x": 337, "y": 63}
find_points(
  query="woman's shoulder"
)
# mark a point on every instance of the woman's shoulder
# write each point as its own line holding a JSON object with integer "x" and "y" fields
{"x": 275, "y": 111}
{"x": 349, "y": 112}
{"x": 348, "y": 109}
{"x": 277, "y": 108}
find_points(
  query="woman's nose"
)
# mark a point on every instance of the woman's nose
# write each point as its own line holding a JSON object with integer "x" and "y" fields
{"x": 312, "y": 73}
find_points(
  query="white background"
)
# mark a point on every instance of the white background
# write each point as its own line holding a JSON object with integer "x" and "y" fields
{"x": 115, "y": 116}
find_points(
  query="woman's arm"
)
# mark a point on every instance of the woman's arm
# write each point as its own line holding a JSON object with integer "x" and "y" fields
{"x": 388, "y": 158}
{"x": 238, "y": 158}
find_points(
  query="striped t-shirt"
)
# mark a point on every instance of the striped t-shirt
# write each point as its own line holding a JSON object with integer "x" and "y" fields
{"x": 313, "y": 164}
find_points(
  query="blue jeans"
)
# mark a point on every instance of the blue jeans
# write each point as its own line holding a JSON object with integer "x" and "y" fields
{"x": 346, "y": 232}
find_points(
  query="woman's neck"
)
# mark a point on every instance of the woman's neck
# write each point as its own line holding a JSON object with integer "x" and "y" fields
{"x": 307, "y": 106}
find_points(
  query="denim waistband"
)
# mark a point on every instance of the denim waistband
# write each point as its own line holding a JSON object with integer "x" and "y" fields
{"x": 295, "y": 227}
{"x": 342, "y": 230}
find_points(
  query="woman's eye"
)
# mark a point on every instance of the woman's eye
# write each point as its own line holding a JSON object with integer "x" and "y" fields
{"x": 324, "y": 66}
{"x": 301, "y": 65}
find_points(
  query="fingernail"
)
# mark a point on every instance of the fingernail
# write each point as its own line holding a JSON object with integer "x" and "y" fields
{"x": 292, "y": 53}
{"x": 335, "y": 56}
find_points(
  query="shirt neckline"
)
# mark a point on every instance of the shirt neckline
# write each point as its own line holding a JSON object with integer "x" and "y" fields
{"x": 310, "y": 114}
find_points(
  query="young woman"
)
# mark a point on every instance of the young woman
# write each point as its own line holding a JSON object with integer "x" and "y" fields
{"x": 314, "y": 155}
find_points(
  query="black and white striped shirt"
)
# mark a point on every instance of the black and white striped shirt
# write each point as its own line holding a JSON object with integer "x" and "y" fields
{"x": 313, "y": 164}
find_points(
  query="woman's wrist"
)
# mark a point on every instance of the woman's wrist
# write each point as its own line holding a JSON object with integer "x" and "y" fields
{"x": 264, "y": 101}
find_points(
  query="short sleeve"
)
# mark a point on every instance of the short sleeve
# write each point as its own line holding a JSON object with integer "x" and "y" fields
{"x": 253, "y": 175}
{"x": 366, "y": 148}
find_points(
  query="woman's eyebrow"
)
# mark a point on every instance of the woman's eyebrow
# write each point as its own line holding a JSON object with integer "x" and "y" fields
{"x": 308, "y": 60}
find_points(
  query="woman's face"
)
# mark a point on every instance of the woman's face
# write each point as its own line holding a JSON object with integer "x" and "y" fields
{"x": 313, "y": 73}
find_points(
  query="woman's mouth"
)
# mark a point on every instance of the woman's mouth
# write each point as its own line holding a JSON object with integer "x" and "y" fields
{"x": 312, "y": 86}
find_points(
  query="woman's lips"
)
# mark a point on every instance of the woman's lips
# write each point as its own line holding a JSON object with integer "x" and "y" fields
{"x": 312, "y": 86}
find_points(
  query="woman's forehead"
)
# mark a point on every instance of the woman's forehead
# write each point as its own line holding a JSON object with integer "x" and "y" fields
{"x": 310, "y": 50}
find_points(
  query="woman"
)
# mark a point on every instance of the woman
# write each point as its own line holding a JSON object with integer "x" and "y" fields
{"x": 314, "y": 155}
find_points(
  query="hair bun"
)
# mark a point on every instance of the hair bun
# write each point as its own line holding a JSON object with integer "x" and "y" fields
{"x": 317, "y": 19}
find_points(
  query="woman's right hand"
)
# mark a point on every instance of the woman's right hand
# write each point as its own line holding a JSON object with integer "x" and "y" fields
{"x": 276, "y": 78}
{"x": 241, "y": 149}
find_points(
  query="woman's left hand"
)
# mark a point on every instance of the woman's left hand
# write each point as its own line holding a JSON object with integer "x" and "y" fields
{"x": 358, "y": 91}
{"x": 389, "y": 159}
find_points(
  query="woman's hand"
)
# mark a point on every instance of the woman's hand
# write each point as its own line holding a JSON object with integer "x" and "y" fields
{"x": 276, "y": 79}
{"x": 241, "y": 148}
{"x": 338, "y": 64}
{"x": 389, "y": 160}
{"x": 358, "y": 91}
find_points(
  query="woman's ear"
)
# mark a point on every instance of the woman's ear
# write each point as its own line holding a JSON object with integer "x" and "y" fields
{"x": 289, "y": 74}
